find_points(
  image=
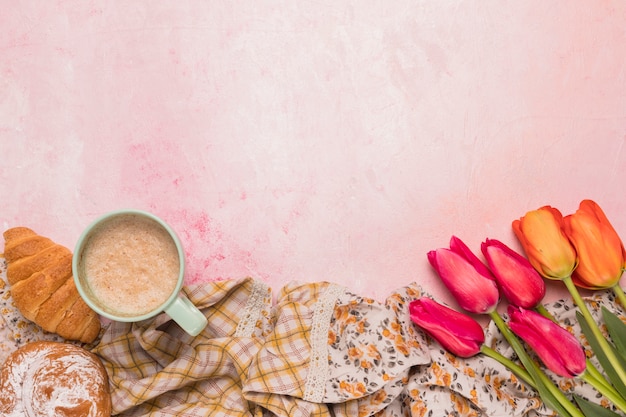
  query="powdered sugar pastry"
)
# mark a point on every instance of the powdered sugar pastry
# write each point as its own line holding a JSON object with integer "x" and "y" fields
{"x": 53, "y": 379}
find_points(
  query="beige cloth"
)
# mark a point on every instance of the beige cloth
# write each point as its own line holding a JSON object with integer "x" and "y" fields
{"x": 157, "y": 369}
{"x": 320, "y": 350}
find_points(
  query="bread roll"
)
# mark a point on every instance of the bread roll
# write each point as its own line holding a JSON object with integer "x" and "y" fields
{"x": 39, "y": 273}
{"x": 54, "y": 379}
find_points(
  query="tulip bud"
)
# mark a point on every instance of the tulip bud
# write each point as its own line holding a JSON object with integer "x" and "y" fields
{"x": 558, "y": 349}
{"x": 547, "y": 247}
{"x": 520, "y": 283}
{"x": 600, "y": 250}
{"x": 459, "y": 334}
{"x": 466, "y": 277}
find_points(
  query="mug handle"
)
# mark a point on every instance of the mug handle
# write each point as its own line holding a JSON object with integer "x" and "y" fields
{"x": 187, "y": 315}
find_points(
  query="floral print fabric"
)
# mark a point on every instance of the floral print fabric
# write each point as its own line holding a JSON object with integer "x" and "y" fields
{"x": 363, "y": 355}
{"x": 318, "y": 350}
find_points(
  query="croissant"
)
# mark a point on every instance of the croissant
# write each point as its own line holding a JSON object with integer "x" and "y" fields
{"x": 39, "y": 273}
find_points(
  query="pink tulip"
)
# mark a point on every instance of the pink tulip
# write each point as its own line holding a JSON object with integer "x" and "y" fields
{"x": 459, "y": 334}
{"x": 558, "y": 349}
{"x": 520, "y": 283}
{"x": 466, "y": 277}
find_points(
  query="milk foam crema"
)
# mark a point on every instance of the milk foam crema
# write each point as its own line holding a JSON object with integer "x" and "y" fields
{"x": 131, "y": 265}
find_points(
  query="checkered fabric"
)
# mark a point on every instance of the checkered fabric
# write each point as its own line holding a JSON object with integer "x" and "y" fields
{"x": 319, "y": 351}
{"x": 157, "y": 369}
{"x": 334, "y": 353}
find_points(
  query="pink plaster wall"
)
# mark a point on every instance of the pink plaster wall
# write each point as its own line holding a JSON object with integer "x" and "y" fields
{"x": 325, "y": 140}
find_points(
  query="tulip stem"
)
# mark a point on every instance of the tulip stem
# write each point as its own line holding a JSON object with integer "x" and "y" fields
{"x": 548, "y": 391}
{"x": 594, "y": 373}
{"x": 515, "y": 368}
{"x": 619, "y": 293}
{"x": 544, "y": 312}
{"x": 606, "y": 348}
{"x": 608, "y": 391}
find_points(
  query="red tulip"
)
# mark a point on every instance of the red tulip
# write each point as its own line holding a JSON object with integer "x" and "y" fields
{"x": 466, "y": 277}
{"x": 459, "y": 334}
{"x": 600, "y": 250}
{"x": 520, "y": 283}
{"x": 547, "y": 247}
{"x": 558, "y": 349}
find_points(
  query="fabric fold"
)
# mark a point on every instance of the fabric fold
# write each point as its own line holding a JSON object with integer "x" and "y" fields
{"x": 349, "y": 354}
{"x": 319, "y": 351}
{"x": 156, "y": 368}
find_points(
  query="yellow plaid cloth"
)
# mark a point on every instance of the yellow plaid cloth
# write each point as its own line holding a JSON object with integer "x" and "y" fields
{"x": 319, "y": 351}
{"x": 157, "y": 369}
{"x": 334, "y": 353}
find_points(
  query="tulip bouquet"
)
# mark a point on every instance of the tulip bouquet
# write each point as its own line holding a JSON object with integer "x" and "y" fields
{"x": 583, "y": 251}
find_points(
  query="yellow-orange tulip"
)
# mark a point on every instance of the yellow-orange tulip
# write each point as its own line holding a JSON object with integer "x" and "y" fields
{"x": 600, "y": 250}
{"x": 547, "y": 247}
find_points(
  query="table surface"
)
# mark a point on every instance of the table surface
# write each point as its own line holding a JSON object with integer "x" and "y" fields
{"x": 311, "y": 141}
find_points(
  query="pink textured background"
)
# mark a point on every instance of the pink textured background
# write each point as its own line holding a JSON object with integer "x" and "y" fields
{"x": 327, "y": 140}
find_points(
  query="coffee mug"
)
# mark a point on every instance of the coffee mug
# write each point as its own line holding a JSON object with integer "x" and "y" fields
{"x": 129, "y": 266}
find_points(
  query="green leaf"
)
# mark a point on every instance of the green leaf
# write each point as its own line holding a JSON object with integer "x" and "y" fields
{"x": 592, "y": 409}
{"x": 619, "y": 385}
{"x": 617, "y": 330}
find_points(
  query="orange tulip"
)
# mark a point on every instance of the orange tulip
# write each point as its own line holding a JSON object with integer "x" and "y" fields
{"x": 600, "y": 250}
{"x": 546, "y": 245}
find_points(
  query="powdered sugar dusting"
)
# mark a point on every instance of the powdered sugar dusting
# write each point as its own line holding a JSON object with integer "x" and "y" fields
{"x": 49, "y": 380}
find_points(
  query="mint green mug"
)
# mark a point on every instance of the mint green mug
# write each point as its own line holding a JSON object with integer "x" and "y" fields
{"x": 129, "y": 266}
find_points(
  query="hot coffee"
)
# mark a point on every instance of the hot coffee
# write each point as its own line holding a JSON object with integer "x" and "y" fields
{"x": 131, "y": 265}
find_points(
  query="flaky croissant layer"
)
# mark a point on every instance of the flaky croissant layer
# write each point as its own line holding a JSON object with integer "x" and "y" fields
{"x": 39, "y": 272}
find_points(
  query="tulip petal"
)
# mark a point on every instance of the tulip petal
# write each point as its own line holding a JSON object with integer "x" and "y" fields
{"x": 457, "y": 333}
{"x": 459, "y": 247}
{"x": 600, "y": 249}
{"x": 520, "y": 283}
{"x": 473, "y": 291}
{"x": 547, "y": 247}
{"x": 558, "y": 349}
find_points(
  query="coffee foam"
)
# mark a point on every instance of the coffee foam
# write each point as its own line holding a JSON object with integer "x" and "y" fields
{"x": 131, "y": 265}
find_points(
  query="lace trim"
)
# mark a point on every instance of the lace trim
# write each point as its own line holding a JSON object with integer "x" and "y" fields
{"x": 252, "y": 310}
{"x": 318, "y": 368}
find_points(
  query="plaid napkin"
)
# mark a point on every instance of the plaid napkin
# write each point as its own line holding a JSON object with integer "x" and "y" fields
{"x": 319, "y": 351}
{"x": 334, "y": 353}
{"x": 155, "y": 368}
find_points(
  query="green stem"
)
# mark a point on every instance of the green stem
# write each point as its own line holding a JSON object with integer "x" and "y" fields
{"x": 549, "y": 392}
{"x": 515, "y": 368}
{"x": 594, "y": 373}
{"x": 542, "y": 310}
{"x": 619, "y": 293}
{"x": 609, "y": 392}
{"x": 606, "y": 348}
